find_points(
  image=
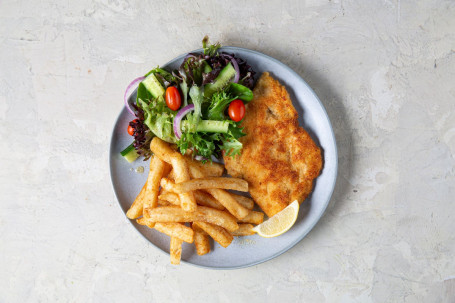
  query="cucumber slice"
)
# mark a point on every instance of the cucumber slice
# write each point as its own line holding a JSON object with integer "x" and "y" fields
{"x": 130, "y": 154}
{"x": 212, "y": 126}
{"x": 209, "y": 126}
{"x": 226, "y": 74}
{"x": 153, "y": 86}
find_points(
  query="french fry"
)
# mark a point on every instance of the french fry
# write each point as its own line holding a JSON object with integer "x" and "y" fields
{"x": 195, "y": 192}
{"x": 197, "y": 228}
{"x": 202, "y": 213}
{"x": 170, "y": 197}
{"x": 205, "y": 199}
{"x": 157, "y": 167}
{"x": 254, "y": 217}
{"x": 163, "y": 203}
{"x": 244, "y": 230}
{"x": 231, "y": 204}
{"x": 176, "y": 230}
{"x": 244, "y": 201}
{"x": 211, "y": 182}
{"x": 225, "y": 198}
{"x": 202, "y": 243}
{"x": 187, "y": 200}
{"x": 175, "y": 250}
{"x": 135, "y": 210}
{"x": 143, "y": 221}
{"x": 219, "y": 234}
{"x": 162, "y": 190}
{"x": 171, "y": 175}
{"x": 209, "y": 169}
{"x": 162, "y": 150}
{"x": 167, "y": 169}
{"x": 168, "y": 185}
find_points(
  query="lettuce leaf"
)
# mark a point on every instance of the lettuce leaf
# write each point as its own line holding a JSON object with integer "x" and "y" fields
{"x": 211, "y": 144}
{"x": 219, "y": 103}
{"x": 210, "y": 49}
{"x": 197, "y": 98}
{"x": 159, "y": 118}
{"x": 166, "y": 78}
{"x": 231, "y": 145}
{"x": 203, "y": 143}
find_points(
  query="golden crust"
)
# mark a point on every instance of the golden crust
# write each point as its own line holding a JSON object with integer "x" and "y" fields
{"x": 279, "y": 159}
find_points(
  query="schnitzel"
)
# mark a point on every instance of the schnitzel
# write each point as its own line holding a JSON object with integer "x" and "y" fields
{"x": 279, "y": 159}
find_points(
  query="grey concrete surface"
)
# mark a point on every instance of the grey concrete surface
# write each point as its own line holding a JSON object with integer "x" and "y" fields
{"x": 384, "y": 70}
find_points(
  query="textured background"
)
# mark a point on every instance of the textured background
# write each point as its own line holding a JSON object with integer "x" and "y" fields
{"x": 384, "y": 70}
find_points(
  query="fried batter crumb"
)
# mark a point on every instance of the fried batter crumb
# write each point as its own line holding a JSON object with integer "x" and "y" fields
{"x": 279, "y": 159}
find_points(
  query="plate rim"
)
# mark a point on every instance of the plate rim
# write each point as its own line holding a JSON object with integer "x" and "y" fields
{"x": 311, "y": 226}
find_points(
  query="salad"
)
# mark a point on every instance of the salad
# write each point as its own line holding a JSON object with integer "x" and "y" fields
{"x": 199, "y": 106}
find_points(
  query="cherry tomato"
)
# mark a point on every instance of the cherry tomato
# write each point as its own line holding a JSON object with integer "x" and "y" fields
{"x": 130, "y": 128}
{"x": 173, "y": 98}
{"x": 236, "y": 110}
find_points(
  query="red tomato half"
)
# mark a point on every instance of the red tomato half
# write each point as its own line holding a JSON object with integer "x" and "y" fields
{"x": 236, "y": 110}
{"x": 173, "y": 98}
{"x": 130, "y": 128}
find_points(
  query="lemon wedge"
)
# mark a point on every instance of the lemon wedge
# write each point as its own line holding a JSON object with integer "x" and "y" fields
{"x": 279, "y": 223}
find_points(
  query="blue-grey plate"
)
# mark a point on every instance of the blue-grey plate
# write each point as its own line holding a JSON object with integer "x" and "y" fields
{"x": 251, "y": 250}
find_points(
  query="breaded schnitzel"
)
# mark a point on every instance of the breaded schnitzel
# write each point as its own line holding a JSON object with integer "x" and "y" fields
{"x": 279, "y": 159}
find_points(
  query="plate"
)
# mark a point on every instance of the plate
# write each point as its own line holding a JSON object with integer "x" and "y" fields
{"x": 251, "y": 250}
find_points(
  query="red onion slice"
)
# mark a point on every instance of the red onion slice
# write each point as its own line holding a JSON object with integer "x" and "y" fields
{"x": 128, "y": 92}
{"x": 237, "y": 70}
{"x": 190, "y": 55}
{"x": 178, "y": 119}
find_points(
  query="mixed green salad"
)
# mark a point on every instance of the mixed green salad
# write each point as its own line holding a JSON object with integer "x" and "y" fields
{"x": 199, "y": 106}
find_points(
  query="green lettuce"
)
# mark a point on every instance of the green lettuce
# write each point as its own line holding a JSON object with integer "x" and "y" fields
{"x": 197, "y": 98}
{"x": 231, "y": 145}
{"x": 220, "y": 101}
{"x": 159, "y": 118}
